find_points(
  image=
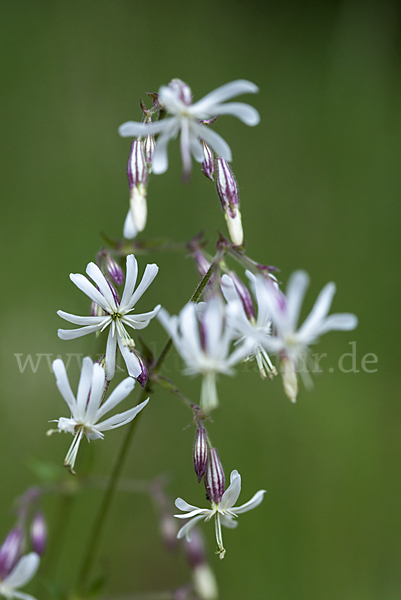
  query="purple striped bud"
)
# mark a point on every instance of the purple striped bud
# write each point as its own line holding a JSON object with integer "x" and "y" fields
{"x": 114, "y": 270}
{"x": 182, "y": 90}
{"x": 11, "y": 551}
{"x": 227, "y": 190}
{"x": 244, "y": 295}
{"x": 96, "y": 310}
{"x": 143, "y": 377}
{"x": 200, "y": 453}
{"x": 137, "y": 170}
{"x": 114, "y": 292}
{"x": 208, "y": 161}
{"x": 149, "y": 149}
{"x": 38, "y": 533}
{"x": 214, "y": 479}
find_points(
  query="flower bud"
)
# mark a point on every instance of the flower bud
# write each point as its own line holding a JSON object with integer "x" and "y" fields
{"x": 289, "y": 376}
{"x": 137, "y": 170}
{"x": 139, "y": 207}
{"x": 38, "y": 533}
{"x": 143, "y": 377}
{"x": 11, "y": 551}
{"x": 149, "y": 145}
{"x": 227, "y": 190}
{"x": 96, "y": 310}
{"x": 182, "y": 90}
{"x": 114, "y": 292}
{"x": 208, "y": 161}
{"x": 114, "y": 270}
{"x": 129, "y": 232}
{"x": 200, "y": 452}
{"x": 214, "y": 478}
{"x": 244, "y": 294}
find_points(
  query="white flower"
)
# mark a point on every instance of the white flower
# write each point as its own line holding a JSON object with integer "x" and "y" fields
{"x": 292, "y": 343}
{"x": 23, "y": 572}
{"x": 117, "y": 313}
{"x": 87, "y": 408}
{"x": 223, "y": 512}
{"x": 203, "y": 341}
{"x": 185, "y": 117}
{"x": 249, "y": 330}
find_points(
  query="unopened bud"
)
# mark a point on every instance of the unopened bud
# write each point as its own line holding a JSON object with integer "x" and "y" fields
{"x": 96, "y": 310}
{"x": 137, "y": 170}
{"x": 205, "y": 582}
{"x": 114, "y": 270}
{"x": 289, "y": 376}
{"x": 129, "y": 231}
{"x": 182, "y": 90}
{"x": 38, "y": 533}
{"x": 214, "y": 478}
{"x": 227, "y": 190}
{"x": 114, "y": 292}
{"x": 143, "y": 376}
{"x": 149, "y": 145}
{"x": 139, "y": 207}
{"x": 244, "y": 295}
{"x": 200, "y": 453}
{"x": 208, "y": 161}
{"x": 11, "y": 551}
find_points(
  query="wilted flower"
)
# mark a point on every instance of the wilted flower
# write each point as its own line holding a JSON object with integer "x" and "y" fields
{"x": 117, "y": 313}
{"x": 203, "y": 341}
{"x": 290, "y": 343}
{"x": 87, "y": 408}
{"x": 185, "y": 117}
{"x": 223, "y": 512}
{"x": 21, "y": 574}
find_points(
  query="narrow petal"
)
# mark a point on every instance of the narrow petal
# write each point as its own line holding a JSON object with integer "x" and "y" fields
{"x": 231, "y": 494}
{"x": 189, "y": 330}
{"x": 213, "y": 322}
{"x": 121, "y": 418}
{"x": 319, "y": 311}
{"x": 89, "y": 289}
{"x": 72, "y": 334}
{"x": 160, "y": 159}
{"x": 142, "y": 320}
{"x": 23, "y": 572}
{"x": 340, "y": 322}
{"x": 229, "y": 290}
{"x": 97, "y": 276}
{"x": 244, "y": 112}
{"x": 228, "y": 521}
{"x": 149, "y": 275}
{"x": 134, "y": 129}
{"x": 133, "y": 365}
{"x": 96, "y": 393}
{"x": 252, "y": 503}
{"x": 63, "y": 384}
{"x": 111, "y": 355}
{"x": 120, "y": 393}
{"x": 196, "y": 148}
{"x": 218, "y": 144}
{"x": 295, "y": 292}
{"x": 185, "y": 531}
{"x": 223, "y": 93}
{"x": 185, "y": 148}
{"x": 84, "y": 386}
{"x": 77, "y": 320}
{"x": 182, "y": 505}
{"x": 130, "y": 281}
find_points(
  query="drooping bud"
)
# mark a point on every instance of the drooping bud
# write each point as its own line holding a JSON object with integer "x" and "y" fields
{"x": 208, "y": 161}
{"x": 137, "y": 171}
{"x": 203, "y": 577}
{"x": 227, "y": 190}
{"x": 200, "y": 452}
{"x": 114, "y": 270}
{"x": 214, "y": 479}
{"x": 182, "y": 90}
{"x": 289, "y": 376}
{"x": 244, "y": 295}
{"x": 143, "y": 377}
{"x": 114, "y": 292}
{"x": 149, "y": 148}
{"x": 11, "y": 550}
{"x": 38, "y": 533}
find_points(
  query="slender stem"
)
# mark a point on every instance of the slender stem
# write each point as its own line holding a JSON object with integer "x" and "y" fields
{"x": 119, "y": 463}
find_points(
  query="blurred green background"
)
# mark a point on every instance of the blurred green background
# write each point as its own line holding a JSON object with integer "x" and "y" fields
{"x": 320, "y": 189}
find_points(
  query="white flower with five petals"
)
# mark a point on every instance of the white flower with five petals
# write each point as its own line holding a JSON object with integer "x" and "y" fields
{"x": 88, "y": 407}
{"x": 117, "y": 313}
{"x": 21, "y": 574}
{"x": 184, "y": 117}
{"x": 223, "y": 512}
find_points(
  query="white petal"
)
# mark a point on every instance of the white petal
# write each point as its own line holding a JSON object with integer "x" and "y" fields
{"x": 213, "y": 322}
{"x": 96, "y": 393}
{"x": 160, "y": 159}
{"x": 218, "y": 144}
{"x": 63, "y": 384}
{"x": 121, "y": 418}
{"x": 97, "y": 276}
{"x": 72, "y": 334}
{"x": 231, "y": 494}
{"x": 149, "y": 275}
{"x": 133, "y": 365}
{"x": 196, "y": 148}
{"x": 223, "y": 93}
{"x": 295, "y": 292}
{"x": 189, "y": 330}
{"x": 252, "y": 503}
{"x": 89, "y": 289}
{"x": 228, "y": 521}
{"x": 84, "y": 386}
{"x": 182, "y": 505}
{"x": 340, "y": 322}
{"x": 169, "y": 323}
{"x": 23, "y": 572}
{"x": 129, "y": 231}
{"x": 120, "y": 393}
{"x": 111, "y": 355}
{"x": 142, "y": 320}
{"x": 77, "y": 320}
{"x": 229, "y": 290}
{"x": 130, "y": 281}
{"x": 319, "y": 311}
{"x": 134, "y": 129}
{"x": 244, "y": 112}
{"x": 185, "y": 531}
{"x": 185, "y": 148}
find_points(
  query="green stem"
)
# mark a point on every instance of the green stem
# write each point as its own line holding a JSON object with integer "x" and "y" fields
{"x": 119, "y": 463}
